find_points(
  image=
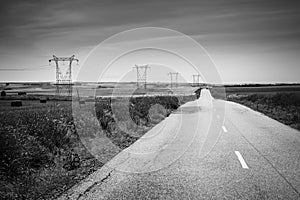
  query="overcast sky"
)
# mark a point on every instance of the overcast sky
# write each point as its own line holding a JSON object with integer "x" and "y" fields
{"x": 249, "y": 41}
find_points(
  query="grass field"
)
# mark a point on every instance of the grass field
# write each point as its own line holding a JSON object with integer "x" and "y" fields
{"x": 39, "y": 141}
{"x": 41, "y": 153}
{"x": 262, "y": 89}
{"x": 281, "y": 103}
{"x": 95, "y": 89}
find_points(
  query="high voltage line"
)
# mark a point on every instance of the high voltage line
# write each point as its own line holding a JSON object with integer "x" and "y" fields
{"x": 42, "y": 67}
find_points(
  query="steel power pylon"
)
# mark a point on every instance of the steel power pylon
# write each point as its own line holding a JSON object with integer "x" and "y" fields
{"x": 196, "y": 80}
{"x": 141, "y": 76}
{"x": 173, "y": 79}
{"x": 63, "y": 80}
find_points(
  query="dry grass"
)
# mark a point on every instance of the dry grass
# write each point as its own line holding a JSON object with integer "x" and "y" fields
{"x": 284, "y": 107}
{"x": 37, "y": 140}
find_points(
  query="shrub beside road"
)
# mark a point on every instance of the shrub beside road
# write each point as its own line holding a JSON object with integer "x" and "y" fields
{"x": 41, "y": 154}
{"x": 284, "y": 107}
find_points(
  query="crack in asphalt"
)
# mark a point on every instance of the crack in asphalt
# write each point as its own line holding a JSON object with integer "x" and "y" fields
{"x": 94, "y": 184}
{"x": 101, "y": 181}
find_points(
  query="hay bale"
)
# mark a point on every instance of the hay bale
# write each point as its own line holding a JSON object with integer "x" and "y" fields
{"x": 3, "y": 93}
{"x": 16, "y": 103}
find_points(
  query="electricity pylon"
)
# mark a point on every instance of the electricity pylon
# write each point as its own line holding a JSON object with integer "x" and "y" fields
{"x": 141, "y": 76}
{"x": 173, "y": 79}
{"x": 196, "y": 80}
{"x": 63, "y": 80}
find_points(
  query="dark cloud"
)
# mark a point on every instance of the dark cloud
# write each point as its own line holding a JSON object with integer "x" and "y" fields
{"x": 31, "y": 27}
{"x": 30, "y": 18}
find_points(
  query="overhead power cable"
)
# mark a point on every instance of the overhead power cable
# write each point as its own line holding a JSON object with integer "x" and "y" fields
{"x": 42, "y": 67}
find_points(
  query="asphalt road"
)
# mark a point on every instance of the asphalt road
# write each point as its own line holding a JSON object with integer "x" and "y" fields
{"x": 208, "y": 149}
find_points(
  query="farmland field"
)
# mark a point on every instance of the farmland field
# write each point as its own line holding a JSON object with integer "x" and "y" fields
{"x": 281, "y": 103}
{"x": 262, "y": 89}
{"x": 42, "y": 154}
{"x": 96, "y": 89}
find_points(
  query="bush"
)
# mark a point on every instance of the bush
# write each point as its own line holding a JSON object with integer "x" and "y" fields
{"x": 284, "y": 107}
{"x": 36, "y": 143}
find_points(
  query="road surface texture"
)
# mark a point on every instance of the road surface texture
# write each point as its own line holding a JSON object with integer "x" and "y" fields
{"x": 203, "y": 152}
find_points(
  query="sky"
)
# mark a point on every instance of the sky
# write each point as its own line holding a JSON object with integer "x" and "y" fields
{"x": 255, "y": 41}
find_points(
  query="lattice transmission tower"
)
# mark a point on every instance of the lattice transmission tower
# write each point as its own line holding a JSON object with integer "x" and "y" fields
{"x": 63, "y": 79}
{"x": 196, "y": 80}
{"x": 173, "y": 79}
{"x": 141, "y": 76}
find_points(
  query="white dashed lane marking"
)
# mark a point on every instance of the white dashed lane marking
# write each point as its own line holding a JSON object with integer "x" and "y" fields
{"x": 224, "y": 129}
{"x": 241, "y": 159}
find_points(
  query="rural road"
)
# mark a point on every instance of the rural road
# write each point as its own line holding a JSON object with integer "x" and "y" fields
{"x": 208, "y": 149}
